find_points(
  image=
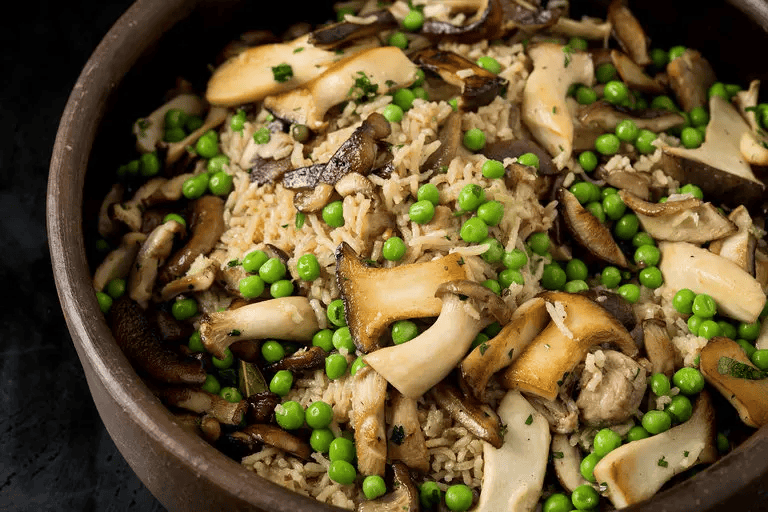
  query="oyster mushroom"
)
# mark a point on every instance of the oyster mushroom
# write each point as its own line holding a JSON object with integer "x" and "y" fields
{"x": 634, "y": 471}
{"x": 726, "y": 367}
{"x": 562, "y": 414}
{"x": 149, "y": 130}
{"x": 198, "y": 281}
{"x": 130, "y": 212}
{"x": 588, "y": 231}
{"x": 450, "y": 136}
{"x": 376, "y": 297}
{"x": 140, "y": 344}
{"x": 107, "y": 227}
{"x": 155, "y": 249}
{"x": 118, "y": 262}
{"x": 334, "y": 35}
{"x": 586, "y": 28}
{"x": 532, "y": 17}
{"x": 368, "y": 399}
{"x": 406, "y": 441}
{"x": 566, "y": 461}
{"x": 633, "y": 75}
{"x": 484, "y": 24}
{"x": 544, "y": 108}
{"x": 412, "y": 367}
{"x": 199, "y": 401}
{"x": 513, "y": 475}
{"x": 578, "y": 324}
{"x": 269, "y": 170}
{"x": 374, "y": 70}
{"x": 506, "y": 148}
{"x": 628, "y": 32}
{"x": 204, "y": 426}
{"x": 285, "y": 318}
{"x": 404, "y": 496}
{"x": 175, "y": 150}
{"x": 255, "y": 435}
{"x": 690, "y": 77}
{"x": 602, "y": 117}
{"x": 737, "y": 294}
{"x": 659, "y": 347}
{"x": 684, "y": 220}
{"x": 476, "y": 416}
{"x": 308, "y": 358}
{"x": 740, "y": 246}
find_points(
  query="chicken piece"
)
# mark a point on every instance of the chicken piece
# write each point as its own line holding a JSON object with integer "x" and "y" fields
{"x": 611, "y": 389}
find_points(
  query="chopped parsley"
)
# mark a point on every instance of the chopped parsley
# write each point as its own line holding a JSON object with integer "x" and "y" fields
{"x": 557, "y": 455}
{"x": 567, "y": 50}
{"x": 282, "y": 72}
{"x": 461, "y": 261}
{"x": 299, "y": 49}
{"x": 529, "y": 420}
{"x": 739, "y": 370}
{"x": 363, "y": 90}
{"x": 511, "y": 351}
{"x": 262, "y": 135}
{"x": 142, "y": 124}
{"x": 300, "y": 218}
{"x": 663, "y": 463}
{"x": 685, "y": 453}
{"x": 554, "y": 110}
{"x": 398, "y": 435}
{"x": 233, "y": 332}
{"x": 483, "y": 348}
{"x": 233, "y": 263}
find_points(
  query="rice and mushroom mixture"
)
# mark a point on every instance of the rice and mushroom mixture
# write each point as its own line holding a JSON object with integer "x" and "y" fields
{"x": 599, "y": 294}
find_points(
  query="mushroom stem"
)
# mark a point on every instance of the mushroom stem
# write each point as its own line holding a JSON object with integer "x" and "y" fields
{"x": 199, "y": 401}
{"x": 406, "y": 444}
{"x": 368, "y": 399}
{"x": 477, "y": 417}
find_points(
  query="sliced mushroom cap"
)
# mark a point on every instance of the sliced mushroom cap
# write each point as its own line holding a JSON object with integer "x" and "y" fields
{"x": 513, "y": 475}
{"x": 152, "y": 254}
{"x": 337, "y": 34}
{"x": 476, "y": 416}
{"x": 544, "y": 108}
{"x": 404, "y": 496}
{"x": 176, "y": 150}
{"x": 368, "y": 399}
{"x": 261, "y": 406}
{"x": 506, "y": 148}
{"x": 107, "y": 227}
{"x": 309, "y": 358}
{"x": 199, "y": 401}
{"x": 690, "y": 77}
{"x": 578, "y": 324}
{"x": 118, "y": 262}
{"x": 635, "y": 471}
{"x": 740, "y": 246}
{"x": 633, "y": 75}
{"x": 588, "y": 231}
{"x": 566, "y": 461}
{"x": 530, "y": 17}
{"x": 450, "y": 136}
{"x": 198, "y": 281}
{"x": 685, "y": 220}
{"x": 487, "y": 26}
{"x": 269, "y": 170}
{"x": 747, "y": 395}
{"x": 661, "y": 352}
{"x": 629, "y": 33}
{"x": 149, "y": 130}
{"x": 562, "y": 414}
{"x": 277, "y": 437}
{"x": 406, "y": 441}
{"x": 376, "y": 297}
{"x": 737, "y": 294}
{"x": 386, "y": 68}
{"x": 586, "y": 28}
{"x": 604, "y": 116}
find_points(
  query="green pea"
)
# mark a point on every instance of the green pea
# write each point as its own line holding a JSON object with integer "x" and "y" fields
{"x": 220, "y": 183}
{"x": 630, "y": 292}
{"x": 392, "y": 113}
{"x": 692, "y": 189}
{"x": 272, "y": 270}
{"x": 691, "y": 137}
{"x": 717, "y": 89}
{"x": 514, "y": 259}
{"x": 694, "y": 322}
{"x": 115, "y": 288}
{"x": 342, "y": 339}
{"x": 529, "y": 159}
{"x": 470, "y": 197}
{"x": 320, "y": 439}
{"x": 489, "y": 64}
{"x": 398, "y": 40}
{"x": 474, "y": 139}
{"x": 342, "y": 472}
{"x": 149, "y": 164}
{"x": 656, "y": 422}
{"x": 195, "y": 187}
{"x": 251, "y": 287}
{"x": 660, "y": 384}
{"x": 420, "y": 93}
{"x": 676, "y": 51}
{"x": 493, "y": 329}
{"x": 318, "y": 415}
{"x": 689, "y": 380}
{"x": 207, "y": 146}
{"x": 493, "y": 169}
{"x": 610, "y": 277}
{"x": 509, "y": 276}
{"x": 704, "y": 306}
{"x": 226, "y": 362}
{"x": 587, "y": 466}
{"x": 333, "y": 214}
{"x": 323, "y": 339}
{"x": 596, "y": 209}
{"x": 588, "y": 161}
{"x": 194, "y": 122}
{"x": 585, "y": 497}
{"x": 605, "y": 72}
{"x": 356, "y": 365}
{"x": 553, "y": 277}
{"x": 289, "y": 415}
{"x": 403, "y": 98}
{"x": 644, "y": 141}
{"x": 493, "y": 285}
{"x": 576, "y": 286}
{"x": 195, "y": 343}
{"x": 605, "y": 441}
{"x": 430, "y": 494}
{"x": 615, "y": 92}
{"x": 586, "y": 95}
{"x": 723, "y": 445}
{"x": 732, "y": 89}
{"x": 428, "y": 192}
{"x": 335, "y": 366}
{"x": 760, "y": 358}
{"x": 627, "y": 130}
{"x": 727, "y": 329}
{"x": 175, "y": 118}
{"x": 683, "y": 301}
{"x": 749, "y": 332}
{"x": 272, "y": 351}
{"x": 494, "y": 252}
{"x": 262, "y": 135}
{"x": 614, "y": 206}
{"x": 393, "y": 249}
{"x": 217, "y": 163}
{"x": 281, "y": 288}
{"x": 680, "y": 408}
{"x": 183, "y": 309}
{"x": 626, "y": 226}
{"x": 341, "y": 449}
{"x": 650, "y": 277}
{"x": 642, "y": 238}
{"x": 659, "y": 57}
{"x": 403, "y": 330}
{"x": 374, "y": 486}
{"x": 413, "y": 20}
{"x": 211, "y": 384}
{"x": 539, "y": 243}
{"x": 637, "y": 433}
{"x": 557, "y": 502}
{"x": 307, "y": 267}
{"x": 663, "y": 102}
{"x": 421, "y": 78}
{"x": 174, "y": 134}
{"x": 253, "y": 261}
{"x": 237, "y": 123}
{"x": 335, "y": 313}
{"x": 421, "y": 212}
{"x": 175, "y": 217}
{"x": 582, "y": 191}
{"x": 454, "y": 103}
{"x": 458, "y": 497}
{"x": 342, "y": 12}
{"x": 105, "y": 302}
{"x": 491, "y": 212}
{"x": 607, "y": 144}
{"x": 699, "y": 116}
{"x": 747, "y": 347}
{"x": 576, "y": 269}
{"x": 474, "y": 230}
{"x": 230, "y": 394}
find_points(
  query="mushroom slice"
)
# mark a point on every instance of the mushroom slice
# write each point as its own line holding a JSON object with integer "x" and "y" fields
{"x": 277, "y": 437}
{"x": 628, "y": 32}
{"x": 337, "y": 34}
{"x": 513, "y": 475}
{"x": 199, "y": 401}
{"x": 746, "y": 101}
{"x": 684, "y": 220}
{"x": 725, "y": 365}
{"x": 118, "y": 262}
{"x": 633, "y": 75}
{"x": 544, "y": 108}
{"x": 635, "y": 471}
{"x": 586, "y": 28}
{"x": 306, "y": 358}
{"x": 740, "y": 246}
{"x": 215, "y": 116}
{"x": 450, "y": 140}
{"x": 248, "y": 77}
{"x": 269, "y": 170}
{"x": 310, "y": 201}
{"x": 149, "y": 130}
{"x": 376, "y": 297}
{"x": 368, "y": 399}
{"x": 478, "y": 417}
{"x": 578, "y": 324}
{"x": 566, "y": 461}
{"x": 107, "y": 227}
{"x": 718, "y": 165}
{"x": 480, "y": 364}
{"x": 285, "y": 318}
{"x": 485, "y": 25}
{"x": 588, "y": 231}
{"x": 404, "y": 496}
{"x": 690, "y": 77}
{"x": 412, "y": 367}
{"x": 371, "y": 71}
{"x": 406, "y": 441}
{"x": 152, "y": 254}
{"x": 530, "y": 17}
{"x": 603, "y": 117}
{"x": 659, "y": 348}
{"x": 737, "y": 294}
{"x": 507, "y": 148}
{"x": 196, "y": 282}
{"x": 478, "y": 86}
{"x": 762, "y": 339}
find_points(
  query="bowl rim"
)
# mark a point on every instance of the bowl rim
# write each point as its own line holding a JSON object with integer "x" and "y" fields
{"x": 117, "y": 52}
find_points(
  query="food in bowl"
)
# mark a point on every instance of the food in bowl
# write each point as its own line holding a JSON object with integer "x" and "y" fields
{"x": 444, "y": 255}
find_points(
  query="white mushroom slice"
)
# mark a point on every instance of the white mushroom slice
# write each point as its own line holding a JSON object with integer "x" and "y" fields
{"x": 566, "y": 461}
{"x": 749, "y": 396}
{"x": 406, "y": 442}
{"x": 544, "y": 108}
{"x": 216, "y": 116}
{"x": 513, "y": 475}
{"x": 746, "y": 101}
{"x": 285, "y": 318}
{"x": 248, "y": 77}
{"x": 154, "y": 251}
{"x": 130, "y": 212}
{"x": 659, "y": 347}
{"x": 629, "y": 32}
{"x": 740, "y": 246}
{"x": 149, "y": 130}
{"x": 631, "y": 73}
{"x": 753, "y": 150}
{"x": 368, "y": 398}
{"x": 753, "y": 144}
{"x": 386, "y": 67}
{"x": 197, "y": 282}
{"x": 737, "y": 294}
{"x": 587, "y": 28}
{"x": 761, "y": 342}
{"x": 635, "y": 471}
{"x": 106, "y": 225}
{"x": 118, "y": 262}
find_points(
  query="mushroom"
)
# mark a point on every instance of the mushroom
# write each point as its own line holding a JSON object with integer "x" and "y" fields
{"x": 507, "y": 148}
{"x": 285, "y": 318}
{"x": 198, "y": 281}
{"x": 200, "y": 401}
{"x": 586, "y": 28}
{"x": 718, "y": 165}
{"x": 370, "y": 71}
{"x": 740, "y": 246}
{"x": 478, "y": 86}
{"x": 726, "y": 366}
{"x": 152, "y": 254}
{"x": 485, "y": 25}
{"x": 406, "y": 440}
{"x": 450, "y": 136}
{"x": 476, "y": 416}
{"x": 205, "y": 426}
{"x": 306, "y": 358}
{"x": 261, "y": 406}
{"x": 368, "y": 399}
{"x": 118, "y": 262}
{"x": 404, "y": 496}
{"x": 334, "y": 35}
{"x": 588, "y": 231}
{"x": 634, "y": 471}
{"x": 680, "y": 219}
{"x": 143, "y": 348}
{"x": 628, "y": 32}
{"x": 566, "y": 461}
{"x": 639, "y": 183}
{"x": 615, "y": 304}
{"x": 489, "y": 357}
{"x": 215, "y": 117}
{"x": 106, "y": 225}
{"x": 149, "y": 130}
{"x": 659, "y": 347}
{"x": 737, "y": 294}
{"x": 207, "y": 226}
{"x": 633, "y": 75}
{"x": 412, "y": 367}
{"x": 762, "y": 339}
{"x": 562, "y": 414}
{"x": 376, "y": 297}
{"x": 690, "y": 77}
{"x": 269, "y": 170}
{"x": 544, "y": 108}
{"x": 602, "y": 117}
{"x": 531, "y": 17}
{"x": 130, "y": 212}
{"x": 577, "y": 324}
{"x": 255, "y": 435}
{"x": 513, "y": 475}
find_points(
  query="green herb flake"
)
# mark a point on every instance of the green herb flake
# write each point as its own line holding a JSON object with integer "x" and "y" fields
{"x": 567, "y": 50}
{"x": 262, "y": 135}
{"x": 739, "y": 370}
{"x": 398, "y": 435}
{"x": 461, "y": 261}
{"x": 300, "y": 218}
{"x": 662, "y": 463}
{"x": 483, "y": 348}
{"x": 282, "y": 72}
{"x": 299, "y": 49}
{"x": 554, "y": 110}
{"x": 233, "y": 332}
{"x": 529, "y": 420}
{"x": 363, "y": 90}
{"x": 557, "y": 455}
{"x": 685, "y": 453}
{"x": 233, "y": 263}
{"x": 511, "y": 351}
{"x": 284, "y": 226}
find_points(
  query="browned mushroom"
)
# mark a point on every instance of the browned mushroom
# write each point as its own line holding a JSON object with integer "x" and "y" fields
{"x": 334, "y": 35}
{"x": 406, "y": 440}
{"x": 487, "y": 26}
{"x": 403, "y": 497}
{"x": 450, "y": 140}
{"x": 628, "y": 32}
{"x": 476, "y": 416}
{"x": 255, "y": 435}
{"x": 269, "y": 170}
{"x": 603, "y": 117}
{"x": 153, "y": 253}
{"x": 531, "y": 17}
{"x": 368, "y": 399}
{"x": 118, "y": 262}
{"x": 309, "y": 358}
{"x": 199, "y": 401}
{"x": 633, "y": 75}
{"x": 261, "y": 406}
{"x": 661, "y": 352}
{"x": 740, "y": 246}
{"x": 690, "y": 77}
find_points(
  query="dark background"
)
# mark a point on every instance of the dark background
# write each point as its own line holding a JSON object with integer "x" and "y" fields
{"x": 55, "y": 453}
